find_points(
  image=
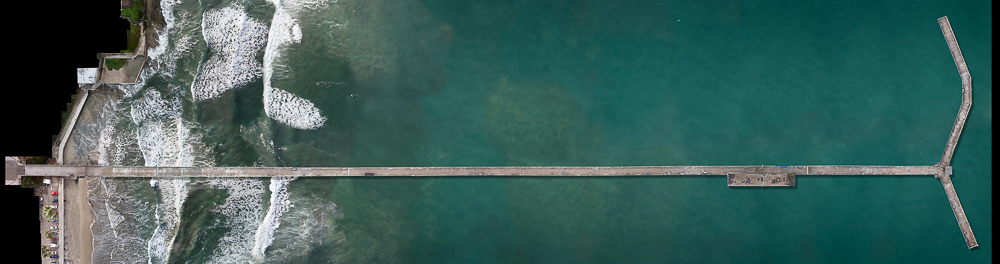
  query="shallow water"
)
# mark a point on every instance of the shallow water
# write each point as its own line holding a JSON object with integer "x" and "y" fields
{"x": 486, "y": 83}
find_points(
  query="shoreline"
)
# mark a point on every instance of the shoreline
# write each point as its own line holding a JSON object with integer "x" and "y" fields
{"x": 72, "y": 149}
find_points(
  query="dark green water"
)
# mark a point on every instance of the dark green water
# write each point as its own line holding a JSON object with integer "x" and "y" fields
{"x": 660, "y": 83}
{"x": 505, "y": 83}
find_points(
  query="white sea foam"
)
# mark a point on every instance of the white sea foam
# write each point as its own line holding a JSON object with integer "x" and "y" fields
{"x": 165, "y": 139}
{"x": 120, "y": 221}
{"x": 234, "y": 39}
{"x": 279, "y": 104}
{"x": 156, "y": 136}
{"x": 169, "y": 142}
{"x": 153, "y": 106}
{"x": 292, "y": 110}
{"x": 306, "y": 5}
{"x": 243, "y": 211}
{"x": 173, "y": 193}
{"x": 279, "y": 205}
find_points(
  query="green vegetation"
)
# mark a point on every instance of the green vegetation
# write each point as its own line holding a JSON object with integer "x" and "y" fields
{"x": 135, "y": 13}
{"x": 31, "y": 181}
{"x": 45, "y": 252}
{"x": 49, "y": 212}
{"x": 114, "y": 64}
{"x": 49, "y": 234}
{"x": 134, "y": 31}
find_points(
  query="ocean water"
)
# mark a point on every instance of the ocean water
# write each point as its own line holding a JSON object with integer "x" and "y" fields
{"x": 496, "y": 83}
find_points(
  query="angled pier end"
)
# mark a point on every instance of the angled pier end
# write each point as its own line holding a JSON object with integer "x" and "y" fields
{"x": 956, "y": 132}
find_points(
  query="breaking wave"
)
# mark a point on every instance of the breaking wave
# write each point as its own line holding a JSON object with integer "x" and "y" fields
{"x": 173, "y": 193}
{"x": 234, "y": 38}
{"x": 243, "y": 210}
{"x": 279, "y": 205}
{"x": 279, "y": 104}
{"x": 151, "y": 132}
{"x": 305, "y": 225}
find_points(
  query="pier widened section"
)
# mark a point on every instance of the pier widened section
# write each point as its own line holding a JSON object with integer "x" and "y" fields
{"x": 737, "y": 176}
{"x": 956, "y": 132}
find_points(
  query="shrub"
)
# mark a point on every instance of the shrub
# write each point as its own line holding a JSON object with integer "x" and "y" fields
{"x": 49, "y": 212}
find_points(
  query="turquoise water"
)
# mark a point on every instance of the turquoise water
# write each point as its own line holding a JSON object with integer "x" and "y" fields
{"x": 497, "y": 83}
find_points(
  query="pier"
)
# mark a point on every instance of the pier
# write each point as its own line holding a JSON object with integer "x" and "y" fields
{"x": 737, "y": 176}
{"x": 575, "y": 171}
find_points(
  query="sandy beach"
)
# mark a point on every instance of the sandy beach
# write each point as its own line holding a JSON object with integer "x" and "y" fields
{"x": 77, "y": 239}
{"x": 86, "y": 241}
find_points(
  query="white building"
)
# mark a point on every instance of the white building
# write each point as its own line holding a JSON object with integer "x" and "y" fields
{"x": 86, "y": 75}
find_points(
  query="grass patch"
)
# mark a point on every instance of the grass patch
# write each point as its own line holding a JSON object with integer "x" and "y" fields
{"x": 114, "y": 64}
{"x": 49, "y": 234}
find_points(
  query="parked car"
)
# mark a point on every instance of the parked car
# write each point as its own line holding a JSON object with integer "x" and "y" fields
{"x": 53, "y": 246}
{"x": 54, "y": 220}
{"x": 53, "y": 239}
{"x": 55, "y": 193}
{"x": 55, "y": 200}
{"x": 40, "y": 199}
{"x": 54, "y": 206}
{"x": 54, "y": 256}
{"x": 54, "y": 227}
